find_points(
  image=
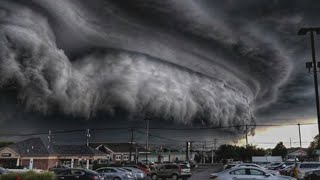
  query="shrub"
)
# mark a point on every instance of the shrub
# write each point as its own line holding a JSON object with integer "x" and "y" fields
{"x": 29, "y": 176}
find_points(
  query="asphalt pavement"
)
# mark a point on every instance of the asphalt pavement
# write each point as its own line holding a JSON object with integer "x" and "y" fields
{"x": 203, "y": 171}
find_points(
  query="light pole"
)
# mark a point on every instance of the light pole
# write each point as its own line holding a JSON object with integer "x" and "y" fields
{"x": 313, "y": 64}
{"x": 300, "y": 135}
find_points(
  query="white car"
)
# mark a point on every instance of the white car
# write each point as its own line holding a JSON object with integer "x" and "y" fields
{"x": 247, "y": 173}
{"x": 256, "y": 166}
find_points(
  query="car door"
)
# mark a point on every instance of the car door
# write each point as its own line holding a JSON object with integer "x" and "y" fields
{"x": 161, "y": 171}
{"x": 64, "y": 174}
{"x": 239, "y": 174}
{"x": 107, "y": 173}
{"x": 78, "y": 174}
{"x": 258, "y": 174}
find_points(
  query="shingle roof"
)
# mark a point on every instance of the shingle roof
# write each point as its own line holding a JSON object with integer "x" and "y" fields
{"x": 75, "y": 150}
{"x": 38, "y": 147}
{"x": 118, "y": 147}
{"x": 30, "y": 147}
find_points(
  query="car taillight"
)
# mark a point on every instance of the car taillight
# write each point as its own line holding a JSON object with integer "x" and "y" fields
{"x": 95, "y": 178}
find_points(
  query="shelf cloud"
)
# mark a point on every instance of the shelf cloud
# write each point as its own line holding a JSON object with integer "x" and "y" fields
{"x": 186, "y": 62}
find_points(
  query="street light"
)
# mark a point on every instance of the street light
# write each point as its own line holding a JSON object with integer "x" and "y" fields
{"x": 313, "y": 65}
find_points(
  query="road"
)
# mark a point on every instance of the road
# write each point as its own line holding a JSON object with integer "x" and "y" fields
{"x": 202, "y": 172}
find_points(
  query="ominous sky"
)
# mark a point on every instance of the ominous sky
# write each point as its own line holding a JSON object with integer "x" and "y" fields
{"x": 70, "y": 64}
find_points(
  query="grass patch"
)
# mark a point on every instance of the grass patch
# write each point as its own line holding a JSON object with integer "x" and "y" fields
{"x": 29, "y": 176}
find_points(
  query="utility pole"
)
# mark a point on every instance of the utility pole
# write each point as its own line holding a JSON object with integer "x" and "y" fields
{"x": 188, "y": 145}
{"x": 313, "y": 64}
{"x": 88, "y": 136}
{"x": 214, "y": 149}
{"x": 147, "y": 140}
{"x": 246, "y": 134}
{"x": 49, "y": 139}
{"x": 131, "y": 145}
{"x": 299, "y": 135}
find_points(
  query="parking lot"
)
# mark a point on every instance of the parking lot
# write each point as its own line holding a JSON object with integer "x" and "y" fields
{"x": 202, "y": 172}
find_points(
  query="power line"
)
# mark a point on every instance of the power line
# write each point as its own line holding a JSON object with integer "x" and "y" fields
{"x": 151, "y": 128}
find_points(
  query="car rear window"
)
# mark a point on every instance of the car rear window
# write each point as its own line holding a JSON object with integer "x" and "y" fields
{"x": 309, "y": 165}
{"x": 230, "y": 166}
{"x": 184, "y": 167}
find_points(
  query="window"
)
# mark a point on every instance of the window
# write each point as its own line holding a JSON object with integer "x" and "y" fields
{"x": 77, "y": 172}
{"x": 125, "y": 157}
{"x": 101, "y": 170}
{"x": 256, "y": 172}
{"x": 238, "y": 172}
{"x": 118, "y": 157}
{"x": 63, "y": 172}
{"x": 171, "y": 167}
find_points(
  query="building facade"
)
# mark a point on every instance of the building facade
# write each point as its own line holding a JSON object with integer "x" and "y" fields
{"x": 34, "y": 153}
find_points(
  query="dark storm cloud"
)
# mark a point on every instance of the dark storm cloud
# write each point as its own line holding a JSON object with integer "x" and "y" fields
{"x": 191, "y": 62}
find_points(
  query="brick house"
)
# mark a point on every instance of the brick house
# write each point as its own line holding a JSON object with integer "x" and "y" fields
{"x": 41, "y": 155}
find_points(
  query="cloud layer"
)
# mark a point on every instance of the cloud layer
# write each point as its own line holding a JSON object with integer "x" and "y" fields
{"x": 180, "y": 61}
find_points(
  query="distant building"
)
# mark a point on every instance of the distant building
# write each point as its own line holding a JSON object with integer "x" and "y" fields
{"x": 119, "y": 152}
{"x": 300, "y": 154}
{"x": 43, "y": 155}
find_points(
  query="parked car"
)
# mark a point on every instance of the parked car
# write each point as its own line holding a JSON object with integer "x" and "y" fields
{"x": 77, "y": 174}
{"x": 277, "y": 166}
{"x": 287, "y": 171}
{"x": 172, "y": 171}
{"x": 247, "y": 172}
{"x": 312, "y": 175}
{"x": 256, "y": 166}
{"x": 139, "y": 174}
{"x": 58, "y": 167}
{"x": 229, "y": 166}
{"x": 274, "y": 164}
{"x": 302, "y": 168}
{"x": 3, "y": 171}
{"x": 140, "y": 166}
{"x": 113, "y": 173}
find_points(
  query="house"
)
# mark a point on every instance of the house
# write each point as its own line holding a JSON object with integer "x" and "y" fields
{"x": 119, "y": 152}
{"x": 39, "y": 154}
{"x": 299, "y": 153}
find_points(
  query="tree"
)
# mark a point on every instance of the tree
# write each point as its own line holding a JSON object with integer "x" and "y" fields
{"x": 226, "y": 151}
{"x": 246, "y": 152}
{"x": 314, "y": 145}
{"x": 280, "y": 150}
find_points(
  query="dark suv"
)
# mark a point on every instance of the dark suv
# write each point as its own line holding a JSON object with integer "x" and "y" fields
{"x": 173, "y": 171}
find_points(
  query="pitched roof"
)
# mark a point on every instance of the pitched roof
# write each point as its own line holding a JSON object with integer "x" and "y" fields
{"x": 118, "y": 147}
{"x": 299, "y": 152}
{"x": 38, "y": 147}
{"x": 30, "y": 147}
{"x": 76, "y": 150}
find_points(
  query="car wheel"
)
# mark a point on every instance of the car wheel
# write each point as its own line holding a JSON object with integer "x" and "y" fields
{"x": 116, "y": 178}
{"x": 154, "y": 177}
{"x": 174, "y": 177}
